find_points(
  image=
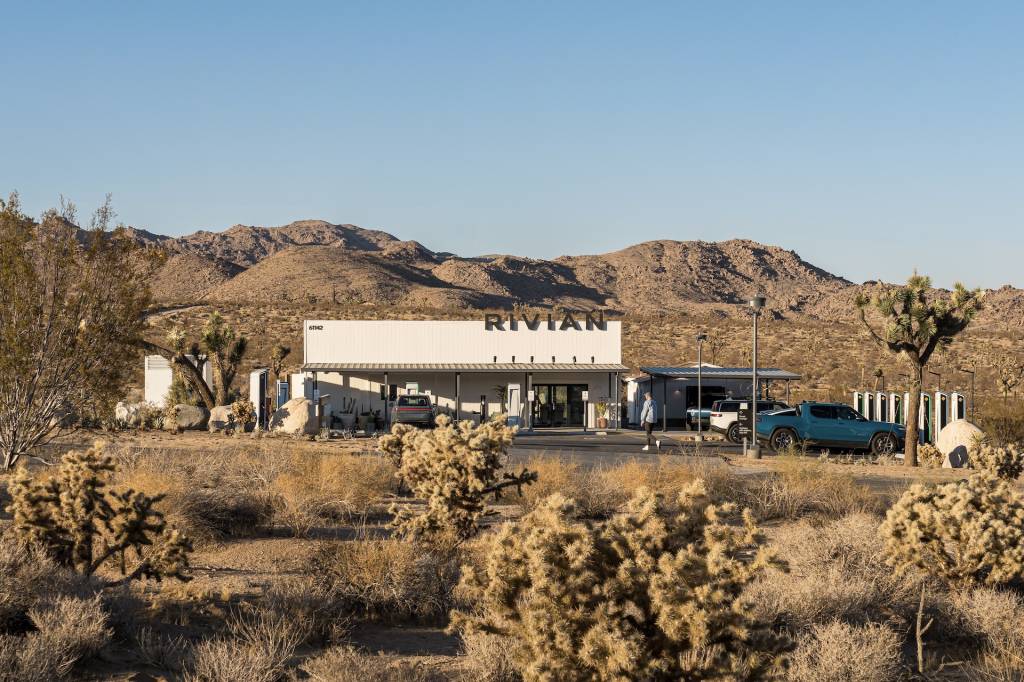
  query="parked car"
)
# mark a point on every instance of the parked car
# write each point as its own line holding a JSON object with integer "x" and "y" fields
{"x": 691, "y": 417}
{"x": 413, "y": 409}
{"x": 829, "y": 425}
{"x": 724, "y": 417}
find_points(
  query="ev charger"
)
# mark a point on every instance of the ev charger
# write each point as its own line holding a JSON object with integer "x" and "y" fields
{"x": 896, "y": 408}
{"x": 926, "y": 418}
{"x": 881, "y": 407}
{"x": 958, "y": 406}
{"x": 941, "y": 411}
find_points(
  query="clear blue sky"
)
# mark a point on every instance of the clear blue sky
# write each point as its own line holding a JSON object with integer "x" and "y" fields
{"x": 870, "y": 137}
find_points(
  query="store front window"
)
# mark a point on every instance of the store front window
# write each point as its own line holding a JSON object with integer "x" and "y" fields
{"x": 558, "y": 404}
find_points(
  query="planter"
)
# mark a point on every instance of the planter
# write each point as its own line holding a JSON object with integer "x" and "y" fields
{"x": 348, "y": 420}
{"x": 361, "y": 421}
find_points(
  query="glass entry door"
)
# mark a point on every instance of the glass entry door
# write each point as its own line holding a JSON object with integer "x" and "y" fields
{"x": 558, "y": 404}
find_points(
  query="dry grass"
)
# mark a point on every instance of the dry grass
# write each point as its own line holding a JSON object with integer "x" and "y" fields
{"x": 488, "y": 658}
{"x": 346, "y": 664}
{"x": 798, "y": 489}
{"x": 836, "y": 571}
{"x": 993, "y": 617}
{"x": 838, "y": 651}
{"x": 602, "y": 490}
{"x": 64, "y": 632}
{"x": 259, "y": 645}
{"x": 316, "y": 486}
{"x": 388, "y": 579}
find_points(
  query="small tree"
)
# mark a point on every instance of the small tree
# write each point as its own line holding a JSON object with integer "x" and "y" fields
{"x": 1009, "y": 373}
{"x": 654, "y": 593}
{"x": 225, "y": 349}
{"x": 913, "y": 327}
{"x": 72, "y": 309}
{"x": 82, "y": 524}
{"x": 454, "y": 468}
{"x": 277, "y": 357}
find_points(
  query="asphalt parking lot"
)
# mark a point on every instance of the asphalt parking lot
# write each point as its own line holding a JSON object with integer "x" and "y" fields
{"x": 614, "y": 446}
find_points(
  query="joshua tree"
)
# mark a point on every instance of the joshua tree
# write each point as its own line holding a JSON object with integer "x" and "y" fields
{"x": 1009, "y": 373}
{"x": 73, "y": 306}
{"x": 277, "y": 357}
{"x": 714, "y": 343}
{"x": 218, "y": 344}
{"x": 913, "y": 327}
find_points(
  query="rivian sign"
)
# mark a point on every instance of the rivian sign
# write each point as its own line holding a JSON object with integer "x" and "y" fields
{"x": 593, "y": 319}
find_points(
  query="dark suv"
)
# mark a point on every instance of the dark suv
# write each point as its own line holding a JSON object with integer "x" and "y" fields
{"x": 413, "y": 409}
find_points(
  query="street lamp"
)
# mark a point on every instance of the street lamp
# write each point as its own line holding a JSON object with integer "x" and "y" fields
{"x": 756, "y": 304}
{"x": 701, "y": 338}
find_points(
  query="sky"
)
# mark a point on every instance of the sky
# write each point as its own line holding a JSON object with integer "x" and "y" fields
{"x": 871, "y": 138}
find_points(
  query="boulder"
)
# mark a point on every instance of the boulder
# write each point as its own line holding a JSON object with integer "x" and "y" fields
{"x": 191, "y": 417}
{"x": 221, "y": 418}
{"x": 295, "y": 417}
{"x": 127, "y": 414}
{"x": 955, "y": 440}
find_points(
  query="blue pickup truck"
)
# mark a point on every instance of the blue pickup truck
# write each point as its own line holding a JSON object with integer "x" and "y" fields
{"x": 828, "y": 425}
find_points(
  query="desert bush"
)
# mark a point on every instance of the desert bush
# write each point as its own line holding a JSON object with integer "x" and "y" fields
{"x": 336, "y": 486}
{"x": 929, "y": 456}
{"x": 837, "y": 570}
{"x": 967, "y": 532}
{"x": 489, "y": 658}
{"x": 387, "y": 578}
{"x": 1002, "y": 422}
{"x": 454, "y": 468}
{"x": 84, "y": 525}
{"x": 64, "y": 631}
{"x": 993, "y": 617}
{"x": 212, "y": 495}
{"x": 798, "y": 489}
{"x": 257, "y": 648}
{"x": 840, "y": 652}
{"x": 347, "y": 664}
{"x": 243, "y": 412}
{"x": 1005, "y": 462}
{"x": 651, "y": 593}
{"x": 307, "y": 600}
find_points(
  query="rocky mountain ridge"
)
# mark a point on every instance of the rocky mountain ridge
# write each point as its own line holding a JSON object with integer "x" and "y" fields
{"x": 314, "y": 260}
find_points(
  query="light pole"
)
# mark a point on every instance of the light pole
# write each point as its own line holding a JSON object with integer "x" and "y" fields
{"x": 756, "y": 303}
{"x": 701, "y": 338}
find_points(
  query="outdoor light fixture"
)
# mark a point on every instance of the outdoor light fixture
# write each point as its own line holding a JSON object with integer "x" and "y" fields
{"x": 701, "y": 338}
{"x": 757, "y": 304}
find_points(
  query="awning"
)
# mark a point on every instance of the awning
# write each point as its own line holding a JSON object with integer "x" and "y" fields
{"x": 763, "y": 373}
{"x": 463, "y": 367}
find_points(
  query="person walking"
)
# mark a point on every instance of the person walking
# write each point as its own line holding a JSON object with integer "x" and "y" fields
{"x": 649, "y": 417}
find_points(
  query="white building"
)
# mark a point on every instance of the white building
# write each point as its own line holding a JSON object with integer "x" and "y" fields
{"x": 159, "y": 375}
{"x": 542, "y": 371}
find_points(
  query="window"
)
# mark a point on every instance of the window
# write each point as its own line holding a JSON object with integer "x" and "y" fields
{"x": 823, "y": 411}
{"x": 846, "y": 412}
{"x": 413, "y": 401}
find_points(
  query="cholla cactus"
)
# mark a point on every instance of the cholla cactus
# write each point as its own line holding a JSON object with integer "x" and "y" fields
{"x": 244, "y": 412}
{"x": 81, "y": 524}
{"x": 650, "y": 594}
{"x": 454, "y": 467}
{"x": 929, "y": 455}
{"x": 1006, "y": 463}
{"x": 965, "y": 532}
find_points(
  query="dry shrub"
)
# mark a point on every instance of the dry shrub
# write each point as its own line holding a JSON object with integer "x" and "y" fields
{"x": 336, "y": 486}
{"x": 213, "y": 495}
{"x": 652, "y": 593}
{"x": 967, "y": 532}
{"x": 929, "y": 456}
{"x": 838, "y": 651}
{"x": 388, "y": 579}
{"x": 798, "y": 489}
{"x": 306, "y": 600}
{"x": 994, "y": 618}
{"x": 258, "y": 647}
{"x": 489, "y": 658}
{"x": 602, "y": 490}
{"x": 347, "y": 664}
{"x": 1003, "y": 422}
{"x": 64, "y": 631}
{"x": 837, "y": 571}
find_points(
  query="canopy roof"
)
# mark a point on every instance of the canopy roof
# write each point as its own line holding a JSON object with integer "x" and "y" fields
{"x": 464, "y": 367}
{"x": 711, "y": 372}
